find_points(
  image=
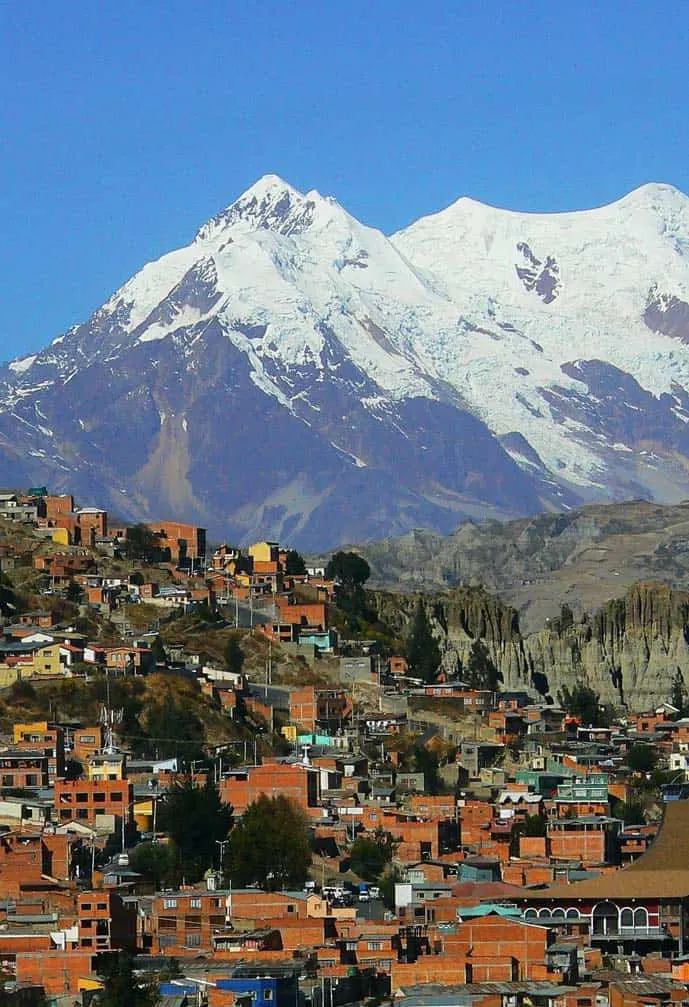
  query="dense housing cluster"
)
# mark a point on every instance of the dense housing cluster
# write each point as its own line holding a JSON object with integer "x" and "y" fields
{"x": 434, "y": 838}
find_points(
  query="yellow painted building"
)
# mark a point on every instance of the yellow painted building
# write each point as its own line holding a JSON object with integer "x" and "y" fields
{"x": 107, "y": 766}
{"x": 143, "y": 814}
{"x": 61, "y": 536}
{"x": 46, "y": 660}
{"x": 35, "y": 727}
{"x": 264, "y": 552}
{"x": 8, "y": 675}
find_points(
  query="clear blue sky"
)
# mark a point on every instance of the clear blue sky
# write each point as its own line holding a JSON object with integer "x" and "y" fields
{"x": 126, "y": 124}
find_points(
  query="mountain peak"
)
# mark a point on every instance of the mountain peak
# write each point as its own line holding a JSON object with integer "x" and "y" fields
{"x": 269, "y": 204}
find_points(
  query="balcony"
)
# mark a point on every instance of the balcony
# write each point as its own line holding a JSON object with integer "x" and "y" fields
{"x": 632, "y": 933}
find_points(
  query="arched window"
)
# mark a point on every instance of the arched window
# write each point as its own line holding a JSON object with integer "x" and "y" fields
{"x": 544, "y": 912}
{"x": 572, "y": 914}
{"x": 626, "y": 917}
{"x": 641, "y": 917}
{"x": 558, "y": 914}
{"x": 604, "y": 919}
{"x": 530, "y": 914}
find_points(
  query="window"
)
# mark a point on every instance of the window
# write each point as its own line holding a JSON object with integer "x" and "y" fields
{"x": 82, "y": 812}
{"x": 82, "y": 798}
{"x": 99, "y": 798}
{"x": 117, "y": 797}
{"x": 169, "y": 903}
{"x": 291, "y": 908}
{"x": 192, "y": 940}
{"x": 267, "y": 994}
{"x": 7, "y": 781}
{"x": 86, "y": 906}
{"x": 375, "y": 945}
{"x": 194, "y": 903}
{"x": 101, "y": 905}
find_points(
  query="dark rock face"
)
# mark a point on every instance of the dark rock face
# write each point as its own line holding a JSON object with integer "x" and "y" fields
{"x": 617, "y": 410}
{"x": 541, "y": 276}
{"x": 669, "y": 315}
{"x": 179, "y": 423}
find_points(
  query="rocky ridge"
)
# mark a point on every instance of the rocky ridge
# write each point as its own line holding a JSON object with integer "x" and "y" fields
{"x": 582, "y": 557}
{"x": 629, "y": 650}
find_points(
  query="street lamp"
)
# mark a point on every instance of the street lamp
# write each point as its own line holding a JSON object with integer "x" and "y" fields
{"x": 222, "y": 843}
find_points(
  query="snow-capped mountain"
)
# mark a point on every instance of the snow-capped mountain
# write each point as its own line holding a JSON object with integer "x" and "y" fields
{"x": 294, "y": 373}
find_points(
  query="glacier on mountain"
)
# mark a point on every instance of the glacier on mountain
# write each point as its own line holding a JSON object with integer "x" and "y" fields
{"x": 489, "y": 361}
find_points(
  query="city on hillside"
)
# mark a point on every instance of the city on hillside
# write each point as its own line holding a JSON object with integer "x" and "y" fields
{"x": 229, "y": 777}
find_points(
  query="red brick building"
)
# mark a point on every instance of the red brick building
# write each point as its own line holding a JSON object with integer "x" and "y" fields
{"x": 23, "y": 768}
{"x": 85, "y": 800}
{"x": 186, "y": 542}
{"x": 241, "y": 787}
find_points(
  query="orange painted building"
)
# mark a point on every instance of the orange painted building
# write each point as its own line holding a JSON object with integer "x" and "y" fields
{"x": 86, "y": 741}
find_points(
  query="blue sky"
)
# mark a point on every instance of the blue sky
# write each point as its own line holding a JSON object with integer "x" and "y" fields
{"x": 126, "y": 125}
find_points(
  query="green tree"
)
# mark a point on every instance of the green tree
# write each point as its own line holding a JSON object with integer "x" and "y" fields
{"x": 426, "y": 762}
{"x": 121, "y": 987}
{"x": 156, "y": 863}
{"x": 350, "y": 572}
{"x": 566, "y": 617}
{"x": 270, "y": 846}
{"x": 678, "y": 696}
{"x": 480, "y": 671}
{"x": 641, "y": 758}
{"x": 387, "y": 881}
{"x": 422, "y": 650}
{"x": 631, "y": 812}
{"x": 582, "y": 702}
{"x": 144, "y": 545}
{"x": 75, "y": 592}
{"x": 349, "y": 568}
{"x": 368, "y": 857}
{"x": 195, "y": 820}
{"x": 158, "y": 649}
{"x": 294, "y": 564}
{"x": 175, "y": 730}
{"x": 534, "y": 825}
{"x": 234, "y": 655}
